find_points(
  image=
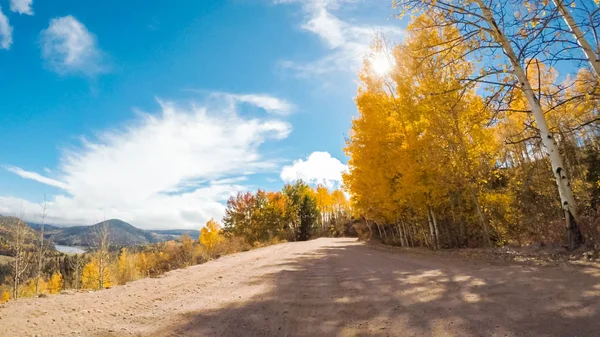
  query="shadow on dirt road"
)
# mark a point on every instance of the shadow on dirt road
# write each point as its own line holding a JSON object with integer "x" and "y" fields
{"x": 347, "y": 289}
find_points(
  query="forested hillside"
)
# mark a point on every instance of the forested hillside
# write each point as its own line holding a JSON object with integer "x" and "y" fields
{"x": 7, "y": 231}
{"x": 122, "y": 233}
{"x": 119, "y": 252}
{"x": 32, "y": 267}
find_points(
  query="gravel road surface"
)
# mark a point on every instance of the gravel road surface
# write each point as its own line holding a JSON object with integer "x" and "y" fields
{"x": 327, "y": 287}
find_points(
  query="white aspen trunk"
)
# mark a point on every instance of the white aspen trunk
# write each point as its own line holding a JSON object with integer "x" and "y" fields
{"x": 100, "y": 274}
{"x": 435, "y": 228}
{"x": 16, "y": 276}
{"x": 378, "y": 229}
{"x": 322, "y": 222}
{"x": 428, "y": 242}
{"x": 41, "y": 248}
{"x": 40, "y": 261}
{"x": 369, "y": 227}
{"x": 558, "y": 169}
{"x": 20, "y": 264}
{"x": 401, "y": 235}
{"x": 587, "y": 48}
{"x": 431, "y": 229}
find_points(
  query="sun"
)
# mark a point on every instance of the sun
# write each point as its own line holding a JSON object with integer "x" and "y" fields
{"x": 381, "y": 64}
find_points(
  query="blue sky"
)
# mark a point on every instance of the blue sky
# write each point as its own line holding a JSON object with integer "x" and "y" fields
{"x": 155, "y": 113}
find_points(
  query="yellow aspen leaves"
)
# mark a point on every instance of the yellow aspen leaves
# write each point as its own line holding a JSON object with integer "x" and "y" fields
{"x": 413, "y": 145}
{"x": 91, "y": 275}
{"x": 210, "y": 235}
{"x": 55, "y": 284}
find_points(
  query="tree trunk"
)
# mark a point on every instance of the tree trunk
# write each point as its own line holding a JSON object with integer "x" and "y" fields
{"x": 435, "y": 228}
{"x": 400, "y": 235}
{"x": 41, "y": 248}
{"x": 16, "y": 277}
{"x": 404, "y": 235}
{"x": 19, "y": 262}
{"x": 393, "y": 233}
{"x": 77, "y": 278}
{"x": 369, "y": 227}
{"x": 409, "y": 239}
{"x": 40, "y": 261}
{"x": 100, "y": 275}
{"x": 379, "y": 230}
{"x": 558, "y": 169}
{"x": 574, "y": 236}
{"x": 431, "y": 230}
{"x": 456, "y": 222}
{"x": 587, "y": 48}
{"x": 485, "y": 232}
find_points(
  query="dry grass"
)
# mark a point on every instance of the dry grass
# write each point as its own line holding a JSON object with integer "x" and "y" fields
{"x": 5, "y": 259}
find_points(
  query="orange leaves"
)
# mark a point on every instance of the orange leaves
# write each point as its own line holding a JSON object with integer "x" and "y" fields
{"x": 292, "y": 213}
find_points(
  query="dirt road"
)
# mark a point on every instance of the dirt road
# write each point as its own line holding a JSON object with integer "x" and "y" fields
{"x": 327, "y": 287}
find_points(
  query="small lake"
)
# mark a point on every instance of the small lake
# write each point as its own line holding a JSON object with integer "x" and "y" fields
{"x": 69, "y": 249}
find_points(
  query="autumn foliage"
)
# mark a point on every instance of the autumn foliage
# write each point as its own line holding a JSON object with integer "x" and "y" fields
{"x": 92, "y": 274}
{"x": 210, "y": 235}
{"x": 433, "y": 163}
{"x": 296, "y": 213}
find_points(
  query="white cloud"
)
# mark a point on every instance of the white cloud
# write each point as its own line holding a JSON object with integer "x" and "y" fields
{"x": 327, "y": 27}
{"x": 318, "y": 168}
{"x": 21, "y": 6}
{"x": 347, "y": 42}
{"x": 165, "y": 170}
{"x": 5, "y": 32}
{"x": 36, "y": 176}
{"x": 266, "y": 102}
{"x": 69, "y": 48}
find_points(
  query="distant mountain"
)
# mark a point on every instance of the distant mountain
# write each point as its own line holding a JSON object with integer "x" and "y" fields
{"x": 120, "y": 233}
{"x": 38, "y": 227}
{"x": 7, "y": 223}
